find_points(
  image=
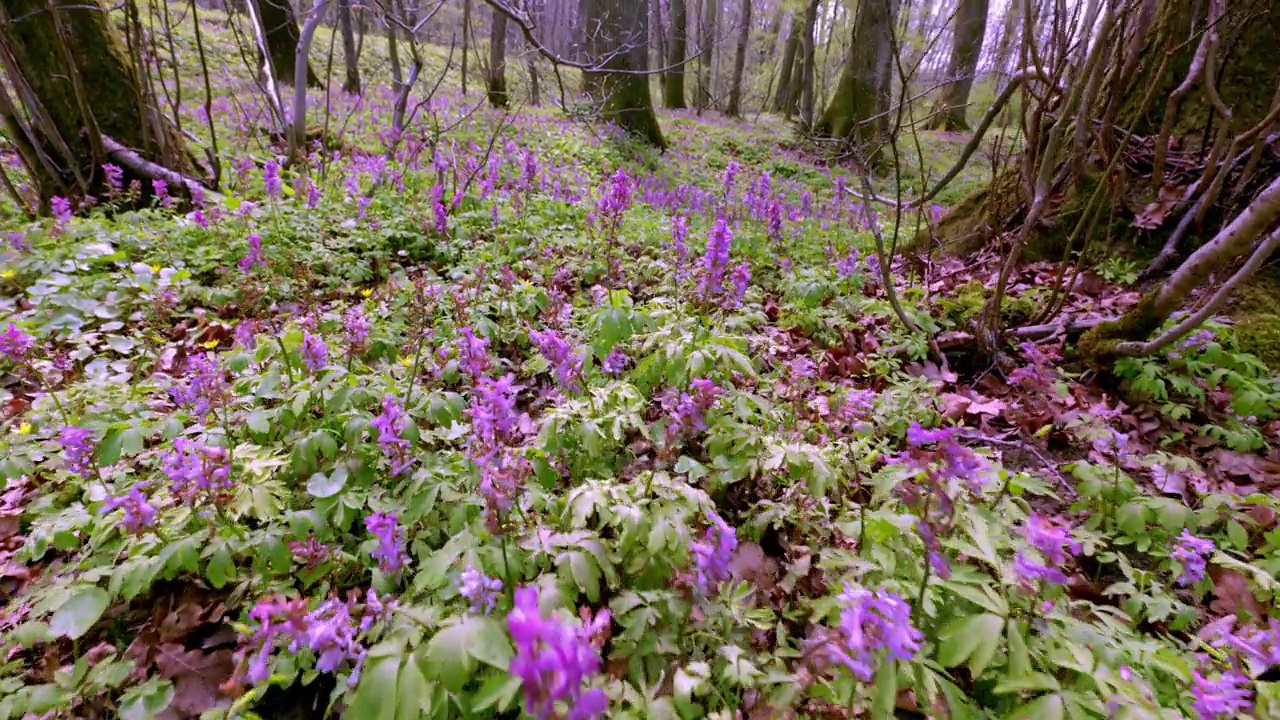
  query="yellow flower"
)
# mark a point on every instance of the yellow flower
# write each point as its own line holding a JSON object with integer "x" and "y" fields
{"x": 155, "y": 268}
{"x": 210, "y": 345}
{"x": 7, "y": 274}
{"x": 367, "y": 293}
{"x": 24, "y": 429}
{"x": 406, "y": 361}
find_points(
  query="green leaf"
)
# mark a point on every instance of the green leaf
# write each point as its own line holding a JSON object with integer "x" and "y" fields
{"x": 373, "y": 698}
{"x": 109, "y": 449}
{"x": 1045, "y": 707}
{"x": 970, "y": 636}
{"x": 586, "y": 573}
{"x": 149, "y": 702}
{"x": 324, "y": 486}
{"x": 78, "y": 614}
{"x": 1034, "y": 681}
{"x": 413, "y": 694}
{"x": 257, "y": 422}
{"x": 449, "y": 657}
{"x": 497, "y": 692}
{"x": 886, "y": 691}
{"x": 1238, "y": 536}
{"x": 220, "y": 568}
{"x": 1019, "y": 658}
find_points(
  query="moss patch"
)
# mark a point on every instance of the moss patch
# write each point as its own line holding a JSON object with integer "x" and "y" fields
{"x": 1256, "y": 311}
{"x": 967, "y": 300}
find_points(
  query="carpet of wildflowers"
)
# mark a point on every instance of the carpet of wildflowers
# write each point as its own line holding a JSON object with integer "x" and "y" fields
{"x": 521, "y": 420}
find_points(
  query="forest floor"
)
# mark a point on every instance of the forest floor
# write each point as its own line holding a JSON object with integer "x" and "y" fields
{"x": 669, "y": 386}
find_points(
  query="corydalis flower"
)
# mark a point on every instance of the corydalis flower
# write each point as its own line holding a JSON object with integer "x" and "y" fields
{"x": 493, "y": 412}
{"x": 254, "y": 257}
{"x": 390, "y": 551}
{"x": 161, "y": 190}
{"x": 390, "y": 424}
{"x": 473, "y": 353}
{"x": 77, "y": 449}
{"x": 114, "y": 177}
{"x": 872, "y": 624}
{"x": 314, "y": 352}
{"x": 14, "y": 342}
{"x": 311, "y": 551}
{"x": 480, "y": 589}
{"x": 502, "y": 474}
{"x": 1191, "y": 552}
{"x": 61, "y": 208}
{"x": 1053, "y": 544}
{"x": 355, "y": 330}
{"x": 741, "y": 277}
{"x": 139, "y": 514}
{"x": 566, "y": 363}
{"x": 1224, "y": 696}
{"x": 719, "y": 239}
{"x": 553, "y": 659}
{"x": 615, "y": 362}
{"x": 271, "y": 179}
{"x": 205, "y": 387}
{"x": 195, "y": 468}
{"x": 711, "y": 556}
{"x": 687, "y": 410}
{"x": 614, "y": 199}
{"x": 329, "y": 631}
{"x": 440, "y": 212}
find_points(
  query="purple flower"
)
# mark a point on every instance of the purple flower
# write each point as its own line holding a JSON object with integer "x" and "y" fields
{"x": 502, "y": 474}
{"x": 1225, "y": 696}
{"x": 553, "y": 659}
{"x": 198, "y": 217}
{"x": 61, "y": 211}
{"x": 329, "y": 632}
{"x": 711, "y": 557}
{"x": 848, "y": 265}
{"x": 687, "y": 410}
{"x": 254, "y": 257}
{"x": 480, "y": 589}
{"x": 161, "y": 189}
{"x": 1191, "y": 552}
{"x": 310, "y": 551}
{"x": 717, "y": 257}
{"x": 139, "y": 514}
{"x": 564, "y": 360}
{"x": 313, "y": 194}
{"x": 246, "y": 334}
{"x": 741, "y": 277}
{"x": 493, "y": 411}
{"x": 314, "y": 352}
{"x": 727, "y": 177}
{"x": 77, "y": 449}
{"x": 390, "y": 552}
{"x": 1053, "y": 543}
{"x": 940, "y": 456}
{"x": 355, "y": 329}
{"x": 195, "y": 468}
{"x": 615, "y": 362}
{"x": 114, "y": 177}
{"x": 14, "y": 342}
{"x": 473, "y": 354}
{"x": 390, "y": 424}
{"x": 271, "y": 179}
{"x": 205, "y": 387}
{"x": 439, "y": 210}
{"x": 871, "y": 623}
{"x": 614, "y": 199}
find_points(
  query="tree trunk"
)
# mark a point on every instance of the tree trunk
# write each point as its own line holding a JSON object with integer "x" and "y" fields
{"x": 966, "y": 48}
{"x": 618, "y": 39}
{"x": 863, "y": 91}
{"x": 740, "y": 61}
{"x": 76, "y": 87}
{"x": 658, "y": 43}
{"x": 673, "y": 93}
{"x": 351, "y": 57}
{"x": 280, "y": 29}
{"x": 497, "y": 80}
{"x": 531, "y": 64}
{"x": 706, "y": 44}
{"x": 808, "y": 62}
{"x": 782, "y": 101}
{"x": 466, "y": 40}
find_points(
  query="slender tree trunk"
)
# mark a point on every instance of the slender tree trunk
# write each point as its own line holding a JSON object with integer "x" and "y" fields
{"x": 740, "y": 60}
{"x": 466, "y": 41}
{"x": 790, "y": 49}
{"x": 618, "y": 39}
{"x": 658, "y": 41}
{"x": 351, "y": 57}
{"x": 808, "y": 60}
{"x": 706, "y": 44}
{"x": 76, "y": 88}
{"x": 862, "y": 92}
{"x": 498, "y": 61}
{"x": 280, "y": 28}
{"x": 966, "y": 48}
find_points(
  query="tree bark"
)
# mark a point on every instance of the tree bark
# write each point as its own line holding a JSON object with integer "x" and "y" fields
{"x": 740, "y": 61}
{"x": 706, "y": 45}
{"x": 280, "y": 28}
{"x": 966, "y": 48}
{"x": 808, "y": 62}
{"x": 497, "y": 80}
{"x": 466, "y": 39}
{"x": 531, "y": 64}
{"x": 618, "y": 39}
{"x": 861, "y": 99}
{"x": 75, "y": 86}
{"x": 782, "y": 100}
{"x": 351, "y": 57}
{"x": 673, "y": 93}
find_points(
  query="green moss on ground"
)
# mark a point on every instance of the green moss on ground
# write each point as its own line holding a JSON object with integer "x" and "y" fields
{"x": 1256, "y": 311}
{"x": 966, "y": 301}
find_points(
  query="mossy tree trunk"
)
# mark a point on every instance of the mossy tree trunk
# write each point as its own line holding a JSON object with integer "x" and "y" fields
{"x": 808, "y": 63}
{"x": 351, "y": 57}
{"x": 677, "y": 46}
{"x": 740, "y": 60}
{"x": 704, "y": 96}
{"x": 790, "y": 49}
{"x": 966, "y": 48}
{"x": 279, "y": 26}
{"x": 858, "y": 107}
{"x": 497, "y": 80}
{"x": 618, "y": 43}
{"x": 74, "y": 85}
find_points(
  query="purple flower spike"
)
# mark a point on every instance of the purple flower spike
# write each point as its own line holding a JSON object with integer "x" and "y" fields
{"x": 1225, "y": 696}
{"x": 195, "y": 468}
{"x": 616, "y": 362}
{"x": 872, "y": 623}
{"x": 554, "y": 659}
{"x": 711, "y": 558}
{"x": 139, "y": 514}
{"x": 564, "y": 360}
{"x": 15, "y": 343}
{"x": 1191, "y": 552}
{"x": 1053, "y": 544}
{"x": 314, "y": 352}
{"x": 254, "y": 257}
{"x": 390, "y": 424}
{"x": 77, "y": 449}
{"x": 390, "y": 552}
{"x": 480, "y": 589}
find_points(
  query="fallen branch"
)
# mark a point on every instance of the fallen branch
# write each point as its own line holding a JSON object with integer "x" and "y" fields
{"x": 138, "y": 165}
{"x": 959, "y": 338}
